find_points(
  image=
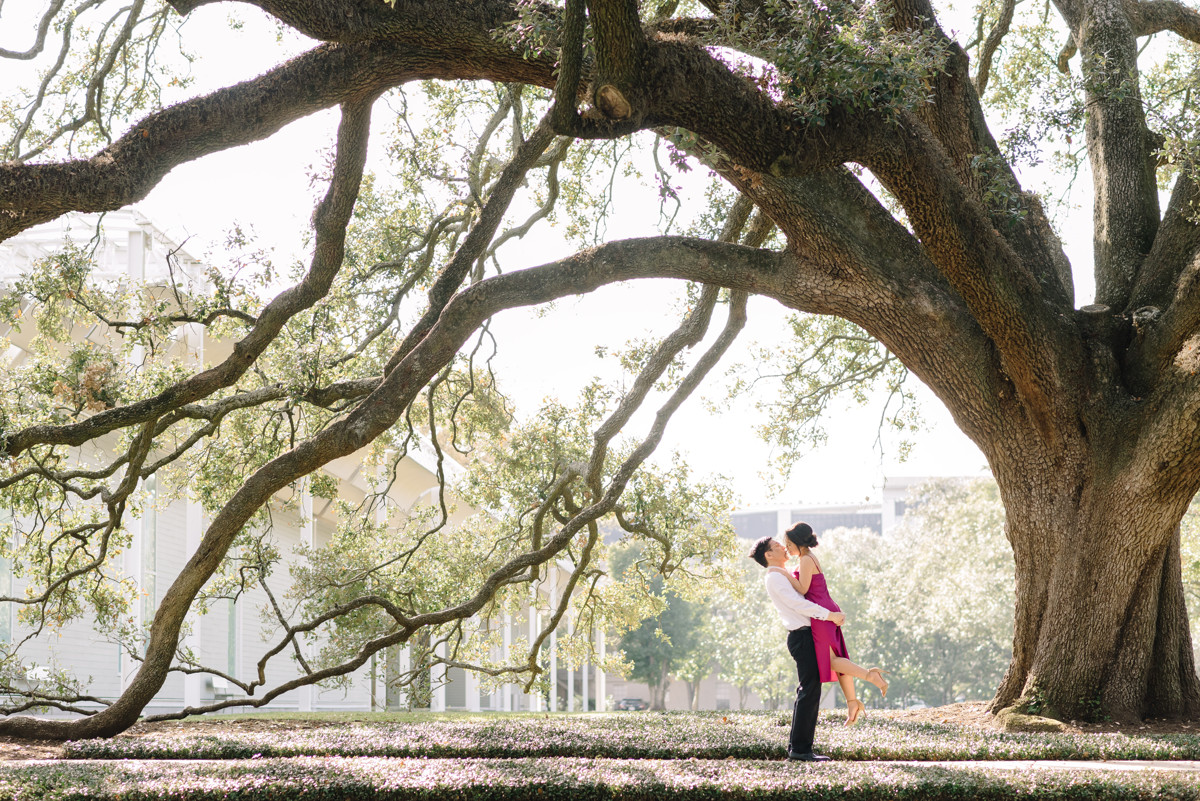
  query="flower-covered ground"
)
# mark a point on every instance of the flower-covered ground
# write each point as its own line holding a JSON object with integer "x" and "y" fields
{"x": 622, "y": 735}
{"x": 975, "y": 715}
{"x": 566, "y": 779}
{"x": 647, "y": 756}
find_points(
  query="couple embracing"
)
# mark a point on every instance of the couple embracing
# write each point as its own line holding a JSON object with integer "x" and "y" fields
{"x": 815, "y": 639}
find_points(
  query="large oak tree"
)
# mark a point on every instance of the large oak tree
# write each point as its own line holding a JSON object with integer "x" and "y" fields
{"x": 1089, "y": 418}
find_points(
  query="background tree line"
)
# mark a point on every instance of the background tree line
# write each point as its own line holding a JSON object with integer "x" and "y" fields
{"x": 932, "y": 603}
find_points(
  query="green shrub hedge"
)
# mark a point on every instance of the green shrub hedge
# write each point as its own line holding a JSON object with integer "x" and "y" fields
{"x": 383, "y": 779}
{"x": 649, "y": 735}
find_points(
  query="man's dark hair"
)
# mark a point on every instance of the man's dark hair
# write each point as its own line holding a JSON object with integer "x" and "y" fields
{"x": 759, "y": 552}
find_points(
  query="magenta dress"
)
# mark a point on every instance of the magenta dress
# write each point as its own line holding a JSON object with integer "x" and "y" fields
{"x": 826, "y": 636}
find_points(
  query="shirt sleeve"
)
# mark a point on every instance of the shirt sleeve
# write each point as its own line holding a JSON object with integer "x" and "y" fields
{"x": 785, "y": 596}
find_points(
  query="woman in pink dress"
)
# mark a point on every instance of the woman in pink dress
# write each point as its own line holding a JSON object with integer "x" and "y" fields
{"x": 833, "y": 660}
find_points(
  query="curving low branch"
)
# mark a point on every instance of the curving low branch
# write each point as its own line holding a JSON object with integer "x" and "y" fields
{"x": 39, "y": 36}
{"x": 716, "y": 263}
{"x": 525, "y": 564}
{"x": 1154, "y": 16}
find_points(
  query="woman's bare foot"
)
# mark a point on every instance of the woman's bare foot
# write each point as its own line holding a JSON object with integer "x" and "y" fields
{"x": 854, "y": 708}
{"x": 875, "y": 676}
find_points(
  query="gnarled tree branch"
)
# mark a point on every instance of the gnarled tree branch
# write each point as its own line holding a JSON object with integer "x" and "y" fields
{"x": 987, "y": 50}
{"x": 1154, "y": 16}
{"x": 1120, "y": 146}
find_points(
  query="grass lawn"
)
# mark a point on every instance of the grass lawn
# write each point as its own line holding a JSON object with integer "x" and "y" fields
{"x": 615, "y": 735}
{"x": 566, "y": 779}
{"x": 644, "y": 756}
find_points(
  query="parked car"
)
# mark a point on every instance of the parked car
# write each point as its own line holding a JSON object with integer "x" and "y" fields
{"x": 632, "y": 705}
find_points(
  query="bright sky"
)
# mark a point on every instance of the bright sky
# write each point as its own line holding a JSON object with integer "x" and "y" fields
{"x": 552, "y": 353}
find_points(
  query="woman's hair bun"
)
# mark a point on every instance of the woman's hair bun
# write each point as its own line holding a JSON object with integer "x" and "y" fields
{"x": 802, "y": 535}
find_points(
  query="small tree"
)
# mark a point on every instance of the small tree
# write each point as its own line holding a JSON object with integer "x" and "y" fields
{"x": 698, "y": 665}
{"x": 660, "y": 645}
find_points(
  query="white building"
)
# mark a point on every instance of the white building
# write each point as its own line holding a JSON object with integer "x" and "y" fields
{"x": 229, "y": 636}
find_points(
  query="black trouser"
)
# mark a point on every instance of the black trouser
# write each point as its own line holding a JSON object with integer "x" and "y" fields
{"x": 808, "y": 693}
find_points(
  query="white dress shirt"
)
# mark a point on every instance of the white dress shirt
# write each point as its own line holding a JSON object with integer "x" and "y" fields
{"x": 794, "y": 609}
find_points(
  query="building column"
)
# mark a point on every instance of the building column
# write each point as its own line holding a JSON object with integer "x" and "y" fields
{"x": 570, "y": 665}
{"x": 239, "y": 609}
{"x": 506, "y": 689}
{"x": 585, "y": 688}
{"x": 402, "y": 659}
{"x": 438, "y": 678}
{"x": 535, "y": 698}
{"x": 193, "y": 683}
{"x": 470, "y": 678}
{"x": 307, "y": 699}
{"x": 552, "y": 574}
{"x": 783, "y": 520}
{"x": 132, "y": 561}
{"x": 472, "y": 682}
{"x": 379, "y": 695}
{"x": 601, "y": 679}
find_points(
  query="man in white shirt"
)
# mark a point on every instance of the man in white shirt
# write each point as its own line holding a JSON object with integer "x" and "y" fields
{"x": 796, "y": 611}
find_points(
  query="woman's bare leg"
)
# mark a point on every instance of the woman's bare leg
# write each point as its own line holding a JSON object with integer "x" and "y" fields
{"x": 841, "y": 664}
{"x": 847, "y": 684}
{"x": 854, "y": 707}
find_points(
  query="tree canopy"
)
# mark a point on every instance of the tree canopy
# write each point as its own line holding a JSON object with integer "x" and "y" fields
{"x": 856, "y": 175}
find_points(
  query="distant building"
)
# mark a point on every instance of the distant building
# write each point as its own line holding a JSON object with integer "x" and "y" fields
{"x": 754, "y": 524}
{"x": 880, "y": 517}
{"x": 896, "y": 502}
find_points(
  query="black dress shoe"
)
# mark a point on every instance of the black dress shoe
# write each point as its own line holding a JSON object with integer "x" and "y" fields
{"x": 806, "y": 756}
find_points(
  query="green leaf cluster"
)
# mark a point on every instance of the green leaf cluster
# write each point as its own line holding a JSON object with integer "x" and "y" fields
{"x": 833, "y": 57}
{"x": 827, "y": 360}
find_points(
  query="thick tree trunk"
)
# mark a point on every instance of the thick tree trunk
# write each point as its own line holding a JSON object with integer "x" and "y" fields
{"x": 658, "y": 692}
{"x": 1101, "y": 628}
